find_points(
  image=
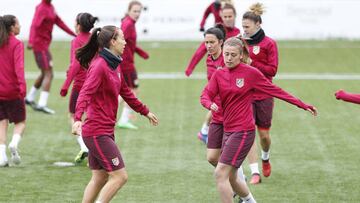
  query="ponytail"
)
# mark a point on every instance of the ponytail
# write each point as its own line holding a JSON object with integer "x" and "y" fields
{"x": 255, "y": 12}
{"x": 100, "y": 38}
{"x": 6, "y": 22}
{"x": 86, "y": 21}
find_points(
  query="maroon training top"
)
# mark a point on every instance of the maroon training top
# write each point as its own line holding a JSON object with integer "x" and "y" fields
{"x": 236, "y": 88}
{"x": 99, "y": 99}
{"x": 42, "y": 25}
{"x": 12, "y": 79}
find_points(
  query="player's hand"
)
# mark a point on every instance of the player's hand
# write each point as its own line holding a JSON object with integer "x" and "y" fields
{"x": 63, "y": 92}
{"x": 29, "y": 46}
{"x": 312, "y": 110}
{"x": 153, "y": 119}
{"x": 145, "y": 56}
{"x": 214, "y": 107}
{"x": 202, "y": 29}
{"x": 339, "y": 93}
{"x": 76, "y": 128}
{"x": 188, "y": 73}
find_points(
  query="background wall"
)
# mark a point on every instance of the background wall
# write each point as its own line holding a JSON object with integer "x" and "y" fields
{"x": 180, "y": 19}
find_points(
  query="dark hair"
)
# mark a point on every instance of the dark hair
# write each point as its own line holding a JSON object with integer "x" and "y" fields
{"x": 218, "y": 31}
{"x": 86, "y": 21}
{"x": 6, "y": 22}
{"x": 241, "y": 43}
{"x": 100, "y": 38}
{"x": 229, "y": 6}
{"x": 256, "y": 10}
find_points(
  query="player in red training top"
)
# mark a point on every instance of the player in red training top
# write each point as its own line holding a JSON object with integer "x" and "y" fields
{"x": 264, "y": 56}
{"x": 99, "y": 99}
{"x": 235, "y": 85}
{"x": 12, "y": 87}
{"x": 42, "y": 25}
{"x": 228, "y": 15}
{"x": 128, "y": 64}
{"x": 347, "y": 96}
{"x": 84, "y": 22}
{"x": 214, "y": 8}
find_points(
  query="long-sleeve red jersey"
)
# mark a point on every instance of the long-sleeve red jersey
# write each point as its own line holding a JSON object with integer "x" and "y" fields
{"x": 42, "y": 25}
{"x": 75, "y": 71}
{"x": 236, "y": 88}
{"x": 215, "y": 10}
{"x": 348, "y": 97}
{"x": 99, "y": 99}
{"x": 265, "y": 57}
{"x": 201, "y": 50}
{"x": 129, "y": 30}
{"x": 12, "y": 79}
{"x": 213, "y": 65}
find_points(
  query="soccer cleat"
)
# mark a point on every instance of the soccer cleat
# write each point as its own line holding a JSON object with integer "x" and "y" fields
{"x": 127, "y": 125}
{"x": 80, "y": 156}
{"x": 15, "y": 157}
{"x": 4, "y": 164}
{"x": 255, "y": 179}
{"x": 202, "y": 137}
{"x": 32, "y": 104}
{"x": 266, "y": 168}
{"x": 44, "y": 109}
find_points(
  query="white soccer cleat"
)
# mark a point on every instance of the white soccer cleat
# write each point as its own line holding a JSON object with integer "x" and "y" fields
{"x": 3, "y": 162}
{"x": 15, "y": 157}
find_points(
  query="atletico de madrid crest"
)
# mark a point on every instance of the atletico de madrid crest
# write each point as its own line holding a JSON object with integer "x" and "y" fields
{"x": 115, "y": 161}
{"x": 239, "y": 82}
{"x": 256, "y": 50}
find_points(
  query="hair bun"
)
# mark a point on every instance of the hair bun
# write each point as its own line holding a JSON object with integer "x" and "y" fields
{"x": 257, "y": 9}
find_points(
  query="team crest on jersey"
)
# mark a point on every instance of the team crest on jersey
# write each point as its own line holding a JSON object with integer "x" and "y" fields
{"x": 218, "y": 67}
{"x": 115, "y": 161}
{"x": 256, "y": 50}
{"x": 239, "y": 82}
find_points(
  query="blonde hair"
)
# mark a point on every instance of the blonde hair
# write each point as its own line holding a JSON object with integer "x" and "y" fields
{"x": 243, "y": 48}
{"x": 223, "y": 2}
{"x": 255, "y": 12}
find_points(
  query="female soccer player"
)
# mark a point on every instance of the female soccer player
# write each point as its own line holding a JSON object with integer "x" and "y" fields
{"x": 83, "y": 24}
{"x": 228, "y": 14}
{"x": 213, "y": 8}
{"x": 39, "y": 41}
{"x": 347, "y": 96}
{"x": 12, "y": 87}
{"x": 235, "y": 85}
{"x": 99, "y": 99}
{"x": 264, "y": 56}
{"x": 128, "y": 65}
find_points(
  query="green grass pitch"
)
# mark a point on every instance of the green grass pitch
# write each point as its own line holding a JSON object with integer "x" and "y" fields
{"x": 313, "y": 159}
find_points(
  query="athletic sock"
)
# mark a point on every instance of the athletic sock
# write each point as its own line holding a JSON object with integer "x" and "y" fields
{"x": 248, "y": 199}
{"x": 241, "y": 174}
{"x": 205, "y": 129}
{"x": 265, "y": 155}
{"x": 82, "y": 144}
{"x": 43, "y": 98}
{"x": 125, "y": 114}
{"x": 32, "y": 93}
{"x": 254, "y": 167}
{"x": 3, "y": 152}
{"x": 15, "y": 140}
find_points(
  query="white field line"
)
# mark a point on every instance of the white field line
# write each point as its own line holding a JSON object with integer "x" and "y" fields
{"x": 202, "y": 76}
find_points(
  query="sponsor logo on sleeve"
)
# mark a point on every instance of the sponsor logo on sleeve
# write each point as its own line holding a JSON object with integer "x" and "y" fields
{"x": 240, "y": 82}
